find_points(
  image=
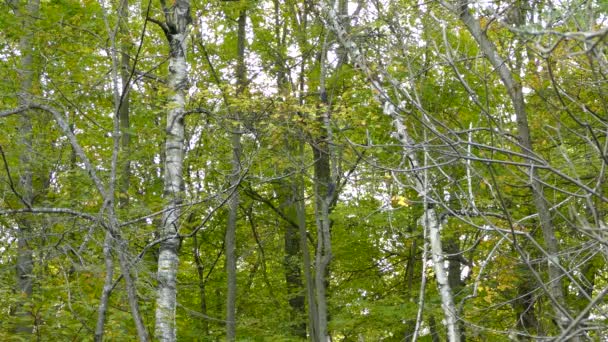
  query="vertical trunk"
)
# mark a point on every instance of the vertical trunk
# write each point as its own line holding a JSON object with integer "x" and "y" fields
{"x": 102, "y": 309}
{"x": 323, "y": 252}
{"x": 235, "y": 176}
{"x": 293, "y": 276}
{"x": 287, "y": 191}
{"x": 323, "y": 190}
{"x": 343, "y": 13}
{"x": 123, "y": 199}
{"x": 454, "y": 266}
{"x": 24, "y": 266}
{"x": 431, "y": 222}
{"x": 230, "y": 243}
{"x": 123, "y": 110}
{"x": 514, "y": 90}
{"x": 177, "y": 19}
{"x": 289, "y": 197}
{"x": 313, "y": 318}
{"x": 122, "y": 247}
{"x": 454, "y": 275}
{"x": 201, "y": 283}
{"x": 312, "y": 308}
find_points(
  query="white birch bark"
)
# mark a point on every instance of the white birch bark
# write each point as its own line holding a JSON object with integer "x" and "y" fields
{"x": 430, "y": 219}
{"x": 177, "y": 20}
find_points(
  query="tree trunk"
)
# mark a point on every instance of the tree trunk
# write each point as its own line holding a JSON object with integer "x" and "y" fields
{"x": 455, "y": 260}
{"x": 230, "y": 242}
{"x": 233, "y": 204}
{"x": 200, "y": 268}
{"x": 313, "y": 318}
{"x": 25, "y": 266}
{"x": 123, "y": 110}
{"x": 323, "y": 191}
{"x": 177, "y": 19}
{"x": 287, "y": 191}
{"x": 123, "y": 197}
{"x": 431, "y": 222}
{"x": 323, "y": 253}
{"x": 102, "y": 309}
{"x": 293, "y": 276}
{"x": 430, "y": 219}
{"x": 514, "y": 90}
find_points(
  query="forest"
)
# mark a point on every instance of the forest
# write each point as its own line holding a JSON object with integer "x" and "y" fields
{"x": 293, "y": 170}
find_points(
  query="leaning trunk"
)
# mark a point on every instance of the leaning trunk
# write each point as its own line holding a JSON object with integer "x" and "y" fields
{"x": 430, "y": 219}
{"x": 514, "y": 90}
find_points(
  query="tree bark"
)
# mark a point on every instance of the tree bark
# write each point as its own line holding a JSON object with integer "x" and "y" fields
{"x": 299, "y": 184}
{"x": 455, "y": 260}
{"x": 430, "y": 219}
{"x": 124, "y": 106}
{"x": 123, "y": 197}
{"x": 432, "y": 223}
{"x": 25, "y": 267}
{"x": 313, "y": 317}
{"x": 177, "y": 20}
{"x": 287, "y": 191}
{"x": 293, "y": 276}
{"x": 102, "y": 308}
{"x": 200, "y": 268}
{"x": 323, "y": 191}
{"x": 233, "y": 205}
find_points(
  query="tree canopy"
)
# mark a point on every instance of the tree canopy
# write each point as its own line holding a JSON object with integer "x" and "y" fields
{"x": 304, "y": 170}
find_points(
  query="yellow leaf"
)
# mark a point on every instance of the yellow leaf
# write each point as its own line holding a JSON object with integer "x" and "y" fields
{"x": 400, "y": 201}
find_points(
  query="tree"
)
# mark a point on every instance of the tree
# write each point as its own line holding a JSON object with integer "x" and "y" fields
{"x": 291, "y": 170}
{"x": 25, "y": 190}
{"x": 177, "y": 19}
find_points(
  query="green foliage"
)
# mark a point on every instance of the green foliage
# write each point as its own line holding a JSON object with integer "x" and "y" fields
{"x": 449, "y": 95}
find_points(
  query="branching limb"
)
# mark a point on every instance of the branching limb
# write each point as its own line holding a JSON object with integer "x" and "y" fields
{"x": 11, "y": 183}
{"x": 65, "y": 211}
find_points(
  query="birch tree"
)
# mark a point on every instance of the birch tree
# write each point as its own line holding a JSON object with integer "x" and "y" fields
{"x": 399, "y": 170}
{"x": 430, "y": 220}
{"x": 175, "y": 27}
